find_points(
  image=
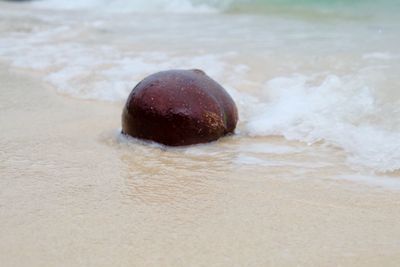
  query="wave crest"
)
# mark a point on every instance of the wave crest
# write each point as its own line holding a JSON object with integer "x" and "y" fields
{"x": 136, "y": 6}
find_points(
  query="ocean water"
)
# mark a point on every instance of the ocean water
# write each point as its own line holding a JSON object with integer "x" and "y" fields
{"x": 316, "y": 82}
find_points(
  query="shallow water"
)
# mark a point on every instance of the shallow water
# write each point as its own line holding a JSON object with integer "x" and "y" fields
{"x": 74, "y": 192}
{"x": 324, "y": 74}
{"x": 310, "y": 178}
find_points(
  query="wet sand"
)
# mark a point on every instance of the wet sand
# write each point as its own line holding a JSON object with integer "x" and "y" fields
{"x": 73, "y": 194}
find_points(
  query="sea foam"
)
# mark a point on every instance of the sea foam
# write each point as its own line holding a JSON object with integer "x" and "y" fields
{"x": 341, "y": 111}
{"x": 132, "y": 6}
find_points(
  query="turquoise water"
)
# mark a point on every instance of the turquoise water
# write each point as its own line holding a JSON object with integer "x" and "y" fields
{"x": 265, "y": 5}
{"x": 359, "y": 9}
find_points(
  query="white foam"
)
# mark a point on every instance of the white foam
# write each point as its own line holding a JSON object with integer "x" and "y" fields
{"x": 248, "y": 160}
{"x": 270, "y": 149}
{"x": 341, "y": 111}
{"x": 100, "y": 72}
{"x": 131, "y": 6}
{"x": 379, "y": 56}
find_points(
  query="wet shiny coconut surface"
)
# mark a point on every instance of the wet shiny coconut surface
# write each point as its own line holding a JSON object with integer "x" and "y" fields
{"x": 179, "y": 107}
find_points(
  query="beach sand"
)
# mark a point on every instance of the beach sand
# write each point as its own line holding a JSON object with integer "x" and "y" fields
{"x": 73, "y": 194}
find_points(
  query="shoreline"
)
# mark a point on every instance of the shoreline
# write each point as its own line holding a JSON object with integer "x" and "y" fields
{"x": 72, "y": 195}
